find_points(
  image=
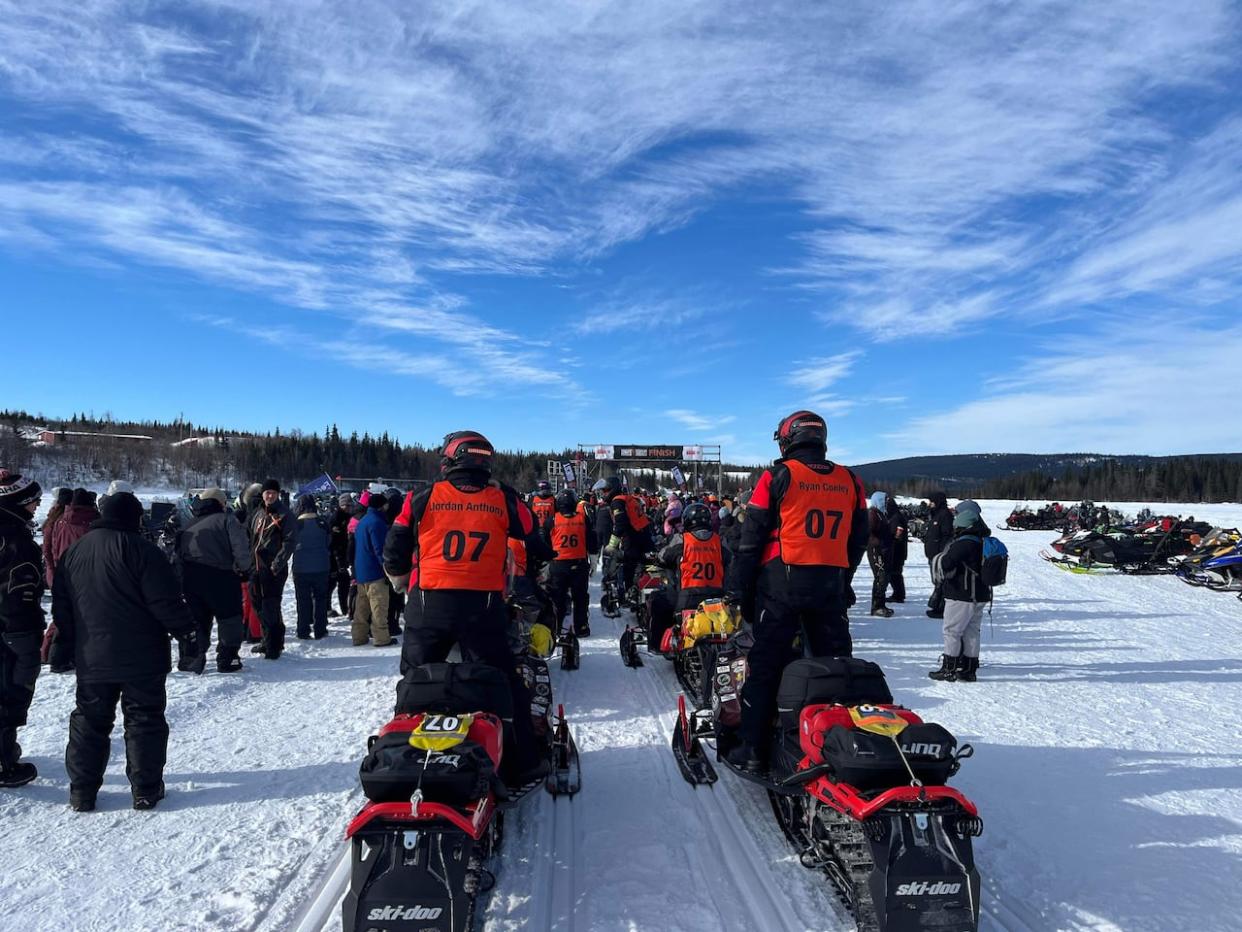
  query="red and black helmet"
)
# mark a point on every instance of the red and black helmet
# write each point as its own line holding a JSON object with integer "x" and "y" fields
{"x": 466, "y": 449}
{"x": 802, "y": 428}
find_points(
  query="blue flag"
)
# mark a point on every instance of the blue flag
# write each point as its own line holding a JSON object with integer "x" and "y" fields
{"x": 318, "y": 486}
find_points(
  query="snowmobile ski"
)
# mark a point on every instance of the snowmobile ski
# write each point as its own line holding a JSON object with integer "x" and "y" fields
{"x": 687, "y": 749}
{"x": 566, "y": 776}
{"x": 568, "y": 644}
{"x": 631, "y": 639}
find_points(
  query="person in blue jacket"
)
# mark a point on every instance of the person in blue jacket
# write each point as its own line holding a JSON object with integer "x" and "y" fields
{"x": 371, "y": 611}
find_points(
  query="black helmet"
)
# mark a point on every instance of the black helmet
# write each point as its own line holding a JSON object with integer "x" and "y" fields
{"x": 696, "y": 517}
{"x": 566, "y": 502}
{"x": 466, "y": 449}
{"x": 802, "y": 428}
{"x": 543, "y": 487}
{"x": 607, "y": 487}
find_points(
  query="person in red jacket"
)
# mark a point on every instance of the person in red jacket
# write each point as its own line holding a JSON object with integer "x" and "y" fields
{"x": 72, "y": 526}
{"x": 805, "y": 533}
{"x": 454, "y": 536}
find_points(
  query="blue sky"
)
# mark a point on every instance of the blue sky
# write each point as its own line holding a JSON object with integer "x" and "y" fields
{"x": 948, "y": 228}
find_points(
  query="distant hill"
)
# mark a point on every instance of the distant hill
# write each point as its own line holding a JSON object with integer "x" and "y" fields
{"x": 970, "y": 472}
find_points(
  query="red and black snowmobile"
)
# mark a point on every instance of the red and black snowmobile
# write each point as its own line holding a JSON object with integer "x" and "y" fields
{"x": 651, "y": 580}
{"x": 422, "y": 846}
{"x": 858, "y": 787}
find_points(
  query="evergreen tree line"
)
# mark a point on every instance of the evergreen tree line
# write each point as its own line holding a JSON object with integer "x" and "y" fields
{"x": 234, "y": 458}
{"x": 1168, "y": 479}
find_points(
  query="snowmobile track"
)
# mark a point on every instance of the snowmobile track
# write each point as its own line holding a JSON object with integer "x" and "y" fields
{"x": 738, "y": 849}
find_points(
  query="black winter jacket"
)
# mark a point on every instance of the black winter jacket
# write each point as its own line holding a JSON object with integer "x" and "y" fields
{"x": 21, "y": 577}
{"x": 939, "y": 533}
{"x": 899, "y": 527}
{"x": 962, "y": 562}
{"x": 116, "y": 600}
{"x": 215, "y": 538}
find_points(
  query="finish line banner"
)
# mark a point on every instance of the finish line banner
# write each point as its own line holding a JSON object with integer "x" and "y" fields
{"x": 631, "y": 453}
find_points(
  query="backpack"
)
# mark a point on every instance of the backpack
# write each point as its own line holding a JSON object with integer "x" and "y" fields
{"x": 995, "y": 563}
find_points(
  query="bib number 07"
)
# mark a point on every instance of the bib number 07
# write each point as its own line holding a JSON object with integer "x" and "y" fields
{"x": 818, "y": 521}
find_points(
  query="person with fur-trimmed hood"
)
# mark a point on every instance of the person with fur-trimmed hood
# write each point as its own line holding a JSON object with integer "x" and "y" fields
{"x": 965, "y": 595}
{"x": 21, "y": 619}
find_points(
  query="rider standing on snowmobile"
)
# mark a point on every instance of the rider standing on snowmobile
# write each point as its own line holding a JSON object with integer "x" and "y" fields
{"x": 936, "y": 538}
{"x": 21, "y": 619}
{"x": 449, "y": 548}
{"x": 805, "y": 532}
{"x": 543, "y": 502}
{"x": 699, "y": 562}
{"x": 573, "y": 539}
{"x": 965, "y": 595}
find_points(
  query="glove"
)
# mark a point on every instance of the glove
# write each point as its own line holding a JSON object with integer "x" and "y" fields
{"x": 614, "y": 544}
{"x": 60, "y": 655}
{"x": 243, "y": 575}
{"x": 192, "y": 659}
{"x": 850, "y": 597}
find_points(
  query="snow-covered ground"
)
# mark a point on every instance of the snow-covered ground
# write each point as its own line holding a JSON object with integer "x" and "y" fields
{"x": 1107, "y": 768}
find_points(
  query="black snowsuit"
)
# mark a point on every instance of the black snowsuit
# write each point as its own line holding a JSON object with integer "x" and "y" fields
{"x": 214, "y": 557}
{"x": 899, "y": 527}
{"x": 937, "y": 536}
{"x": 273, "y": 533}
{"x": 21, "y": 628}
{"x": 476, "y": 621}
{"x": 789, "y": 599}
{"x": 634, "y": 543}
{"x": 338, "y": 544}
{"x": 879, "y": 555}
{"x": 569, "y": 581}
{"x": 116, "y": 600}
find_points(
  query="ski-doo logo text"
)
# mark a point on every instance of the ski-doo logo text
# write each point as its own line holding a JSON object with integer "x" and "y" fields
{"x": 382, "y": 913}
{"x": 926, "y": 888}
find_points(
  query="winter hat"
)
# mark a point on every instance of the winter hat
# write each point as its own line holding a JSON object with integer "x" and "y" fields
{"x": 365, "y": 498}
{"x": 119, "y": 485}
{"x": 307, "y": 504}
{"x": 964, "y": 519}
{"x": 879, "y": 500}
{"x": 968, "y": 506}
{"x": 271, "y": 485}
{"x": 725, "y": 511}
{"x": 16, "y": 492}
{"x": 378, "y": 502}
{"x": 64, "y": 495}
{"x": 345, "y": 500}
{"x": 83, "y": 499}
{"x": 122, "y": 508}
{"x": 213, "y": 494}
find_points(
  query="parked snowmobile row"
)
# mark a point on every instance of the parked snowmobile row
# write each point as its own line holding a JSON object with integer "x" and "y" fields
{"x": 858, "y": 786}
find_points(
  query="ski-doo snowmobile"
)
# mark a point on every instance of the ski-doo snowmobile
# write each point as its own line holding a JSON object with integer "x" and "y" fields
{"x": 422, "y": 845}
{"x": 857, "y": 784}
{"x": 694, "y": 642}
{"x": 651, "y": 580}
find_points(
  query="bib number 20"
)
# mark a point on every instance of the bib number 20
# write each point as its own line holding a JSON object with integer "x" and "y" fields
{"x": 818, "y": 521}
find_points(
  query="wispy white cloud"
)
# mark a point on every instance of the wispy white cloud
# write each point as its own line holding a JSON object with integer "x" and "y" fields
{"x": 814, "y": 376}
{"x": 693, "y": 420}
{"x": 1115, "y": 394}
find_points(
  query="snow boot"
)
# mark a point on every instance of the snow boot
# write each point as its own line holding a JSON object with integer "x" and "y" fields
{"x": 882, "y": 612}
{"x": 746, "y": 759}
{"x": 934, "y": 614}
{"x": 227, "y": 660}
{"x": 145, "y": 802}
{"x": 82, "y": 800}
{"x": 14, "y": 772}
{"x": 966, "y": 669}
{"x": 948, "y": 669}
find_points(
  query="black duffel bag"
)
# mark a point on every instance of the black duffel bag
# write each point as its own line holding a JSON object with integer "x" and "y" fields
{"x": 841, "y": 680}
{"x": 393, "y": 770}
{"x": 455, "y": 688}
{"x": 868, "y": 761}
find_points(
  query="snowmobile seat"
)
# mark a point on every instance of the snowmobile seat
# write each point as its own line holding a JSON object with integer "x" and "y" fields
{"x": 827, "y": 680}
{"x": 455, "y": 687}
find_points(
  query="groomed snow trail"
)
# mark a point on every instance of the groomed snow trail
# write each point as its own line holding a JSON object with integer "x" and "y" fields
{"x": 1106, "y": 769}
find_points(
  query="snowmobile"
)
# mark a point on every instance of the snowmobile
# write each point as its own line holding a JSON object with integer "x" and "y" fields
{"x": 1216, "y": 563}
{"x": 423, "y": 845}
{"x": 858, "y": 786}
{"x": 534, "y": 619}
{"x": 1142, "y": 553}
{"x": 653, "y": 579}
{"x": 694, "y": 642}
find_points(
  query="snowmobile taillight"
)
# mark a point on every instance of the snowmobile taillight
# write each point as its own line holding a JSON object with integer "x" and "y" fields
{"x": 969, "y": 826}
